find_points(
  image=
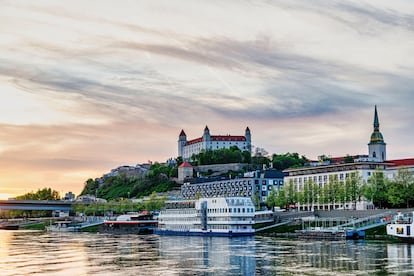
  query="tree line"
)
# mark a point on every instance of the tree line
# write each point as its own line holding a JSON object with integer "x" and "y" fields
{"x": 120, "y": 206}
{"x": 379, "y": 189}
{"x": 260, "y": 158}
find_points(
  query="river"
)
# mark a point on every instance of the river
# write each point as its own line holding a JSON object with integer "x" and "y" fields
{"x": 44, "y": 253}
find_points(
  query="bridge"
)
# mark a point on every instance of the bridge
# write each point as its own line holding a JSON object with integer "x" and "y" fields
{"x": 37, "y": 205}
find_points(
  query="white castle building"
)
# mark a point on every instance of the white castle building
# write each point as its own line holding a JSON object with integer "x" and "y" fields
{"x": 186, "y": 148}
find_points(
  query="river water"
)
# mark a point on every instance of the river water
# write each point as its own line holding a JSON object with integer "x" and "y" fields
{"x": 44, "y": 253}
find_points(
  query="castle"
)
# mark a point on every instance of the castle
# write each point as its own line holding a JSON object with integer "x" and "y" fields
{"x": 186, "y": 148}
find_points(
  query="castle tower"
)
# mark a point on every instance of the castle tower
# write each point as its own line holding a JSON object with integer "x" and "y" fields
{"x": 376, "y": 145}
{"x": 248, "y": 136}
{"x": 206, "y": 139}
{"x": 182, "y": 140}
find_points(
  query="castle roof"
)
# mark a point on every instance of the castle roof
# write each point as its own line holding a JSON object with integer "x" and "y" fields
{"x": 182, "y": 133}
{"x": 230, "y": 138}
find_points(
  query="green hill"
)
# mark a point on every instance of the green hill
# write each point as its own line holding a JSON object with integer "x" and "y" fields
{"x": 157, "y": 179}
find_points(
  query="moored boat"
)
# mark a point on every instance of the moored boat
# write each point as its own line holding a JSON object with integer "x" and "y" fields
{"x": 402, "y": 227}
{"x": 130, "y": 223}
{"x": 221, "y": 216}
{"x": 64, "y": 226}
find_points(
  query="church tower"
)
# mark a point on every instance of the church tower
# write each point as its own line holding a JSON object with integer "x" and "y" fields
{"x": 182, "y": 140}
{"x": 377, "y": 146}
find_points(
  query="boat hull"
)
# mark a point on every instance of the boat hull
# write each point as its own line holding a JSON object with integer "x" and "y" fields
{"x": 202, "y": 233}
{"x": 128, "y": 228}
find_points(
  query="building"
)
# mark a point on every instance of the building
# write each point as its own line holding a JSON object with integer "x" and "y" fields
{"x": 186, "y": 148}
{"x": 336, "y": 170}
{"x": 394, "y": 165}
{"x": 333, "y": 173}
{"x": 185, "y": 170}
{"x": 257, "y": 185}
{"x": 376, "y": 145}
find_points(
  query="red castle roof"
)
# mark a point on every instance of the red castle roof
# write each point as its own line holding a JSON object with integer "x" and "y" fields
{"x": 230, "y": 138}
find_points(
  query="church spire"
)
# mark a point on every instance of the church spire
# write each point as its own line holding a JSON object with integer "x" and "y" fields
{"x": 376, "y": 136}
{"x": 377, "y": 146}
{"x": 376, "y": 121}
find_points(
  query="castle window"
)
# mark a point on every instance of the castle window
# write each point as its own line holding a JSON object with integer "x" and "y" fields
{"x": 374, "y": 154}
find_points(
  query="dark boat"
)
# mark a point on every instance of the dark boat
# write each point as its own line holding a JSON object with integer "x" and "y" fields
{"x": 130, "y": 223}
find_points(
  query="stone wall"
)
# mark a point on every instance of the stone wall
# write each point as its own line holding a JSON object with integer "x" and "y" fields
{"x": 218, "y": 169}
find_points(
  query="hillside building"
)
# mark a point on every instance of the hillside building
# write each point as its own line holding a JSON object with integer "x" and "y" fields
{"x": 186, "y": 148}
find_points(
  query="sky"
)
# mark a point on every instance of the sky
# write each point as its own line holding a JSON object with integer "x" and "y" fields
{"x": 86, "y": 86}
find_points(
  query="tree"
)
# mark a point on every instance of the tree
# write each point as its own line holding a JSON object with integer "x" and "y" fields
{"x": 43, "y": 194}
{"x": 221, "y": 156}
{"x": 288, "y": 160}
{"x": 396, "y": 194}
{"x": 401, "y": 188}
{"x": 348, "y": 159}
{"x": 281, "y": 199}
{"x": 259, "y": 161}
{"x": 354, "y": 184}
{"x": 291, "y": 194}
{"x": 90, "y": 187}
{"x": 154, "y": 203}
{"x": 271, "y": 199}
{"x": 377, "y": 189}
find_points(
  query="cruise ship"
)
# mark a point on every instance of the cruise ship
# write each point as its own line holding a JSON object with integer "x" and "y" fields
{"x": 221, "y": 216}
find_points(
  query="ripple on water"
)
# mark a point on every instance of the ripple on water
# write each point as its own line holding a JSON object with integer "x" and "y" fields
{"x": 42, "y": 253}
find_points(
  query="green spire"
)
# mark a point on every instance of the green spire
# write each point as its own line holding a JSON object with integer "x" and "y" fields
{"x": 376, "y": 136}
{"x": 376, "y": 121}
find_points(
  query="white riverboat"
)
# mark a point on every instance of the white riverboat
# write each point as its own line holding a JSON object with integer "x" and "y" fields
{"x": 402, "y": 227}
{"x": 221, "y": 216}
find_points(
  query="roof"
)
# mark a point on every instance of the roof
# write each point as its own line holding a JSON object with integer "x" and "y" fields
{"x": 232, "y": 138}
{"x": 182, "y": 133}
{"x": 273, "y": 174}
{"x": 401, "y": 162}
{"x": 185, "y": 165}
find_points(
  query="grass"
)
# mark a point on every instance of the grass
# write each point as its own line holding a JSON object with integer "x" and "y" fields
{"x": 37, "y": 226}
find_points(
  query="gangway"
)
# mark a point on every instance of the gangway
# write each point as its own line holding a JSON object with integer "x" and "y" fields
{"x": 273, "y": 225}
{"x": 353, "y": 228}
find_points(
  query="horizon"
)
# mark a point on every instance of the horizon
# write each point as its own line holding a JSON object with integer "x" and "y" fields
{"x": 87, "y": 87}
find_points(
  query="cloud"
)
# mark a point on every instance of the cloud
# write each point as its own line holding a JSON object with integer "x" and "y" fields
{"x": 118, "y": 84}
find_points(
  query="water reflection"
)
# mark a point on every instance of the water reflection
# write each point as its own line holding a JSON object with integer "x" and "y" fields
{"x": 41, "y": 253}
{"x": 209, "y": 255}
{"x": 400, "y": 258}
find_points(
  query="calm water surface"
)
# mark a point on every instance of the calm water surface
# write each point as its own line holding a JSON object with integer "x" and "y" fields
{"x": 42, "y": 253}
